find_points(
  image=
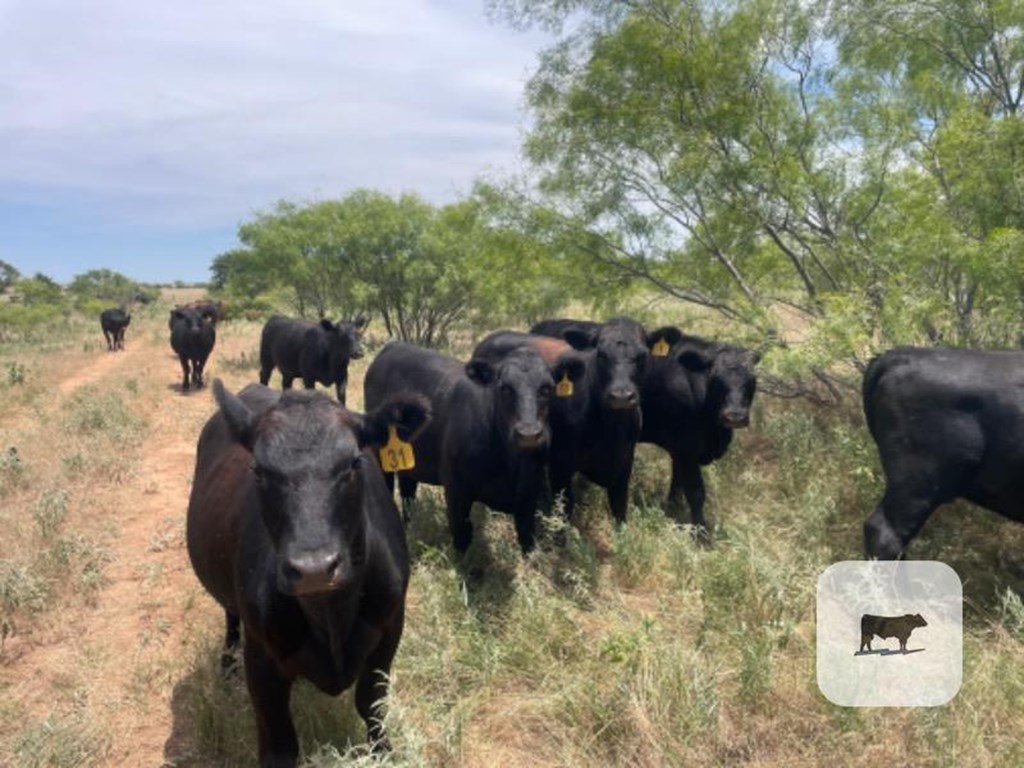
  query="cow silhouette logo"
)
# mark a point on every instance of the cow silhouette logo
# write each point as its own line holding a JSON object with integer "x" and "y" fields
{"x": 885, "y": 627}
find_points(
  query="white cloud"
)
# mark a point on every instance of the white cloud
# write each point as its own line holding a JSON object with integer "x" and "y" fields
{"x": 197, "y": 112}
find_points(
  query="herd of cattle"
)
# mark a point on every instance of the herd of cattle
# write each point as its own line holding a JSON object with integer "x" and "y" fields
{"x": 292, "y": 522}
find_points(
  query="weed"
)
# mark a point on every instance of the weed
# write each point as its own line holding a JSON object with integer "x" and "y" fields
{"x": 59, "y": 742}
{"x": 12, "y": 470}
{"x": 16, "y": 373}
{"x": 49, "y": 511}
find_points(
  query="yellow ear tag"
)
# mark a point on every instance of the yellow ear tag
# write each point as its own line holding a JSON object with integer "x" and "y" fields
{"x": 564, "y": 387}
{"x": 660, "y": 348}
{"x": 396, "y": 454}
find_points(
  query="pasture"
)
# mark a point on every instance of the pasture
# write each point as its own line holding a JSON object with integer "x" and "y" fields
{"x": 629, "y": 647}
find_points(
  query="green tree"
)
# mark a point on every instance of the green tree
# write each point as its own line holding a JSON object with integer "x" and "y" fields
{"x": 856, "y": 162}
{"x": 423, "y": 270}
{"x": 103, "y": 285}
{"x": 8, "y": 275}
{"x": 40, "y": 291}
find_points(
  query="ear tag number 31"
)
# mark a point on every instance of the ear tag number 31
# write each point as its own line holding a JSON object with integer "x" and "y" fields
{"x": 564, "y": 386}
{"x": 396, "y": 454}
{"x": 660, "y": 348}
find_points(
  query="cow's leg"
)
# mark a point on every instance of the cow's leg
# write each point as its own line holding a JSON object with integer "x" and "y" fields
{"x": 618, "y": 491}
{"x": 308, "y": 383}
{"x": 690, "y": 478}
{"x": 459, "y": 506}
{"x": 184, "y": 373}
{"x": 372, "y": 686}
{"x": 197, "y": 370}
{"x": 560, "y": 477}
{"x": 286, "y": 380}
{"x": 265, "y": 370}
{"x": 525, "y": 517}
{"x": 278, "y": 745}
{"x": 110, "y": 341}
{"x": 896, "y": 520}
{"x": 864, "y": 640}
{"x": 407, "y": 490}
{"x": 231, "y": 639}
{"x": 340, "y": 385}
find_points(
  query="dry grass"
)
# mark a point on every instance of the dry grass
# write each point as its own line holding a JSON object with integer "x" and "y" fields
{"x": 630, "y": 647}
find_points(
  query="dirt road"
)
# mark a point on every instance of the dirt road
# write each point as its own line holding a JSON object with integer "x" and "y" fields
{"x": 112, "y": 662}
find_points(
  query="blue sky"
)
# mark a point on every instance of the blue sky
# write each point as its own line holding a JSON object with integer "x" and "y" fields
{"x": 136, "y": 136}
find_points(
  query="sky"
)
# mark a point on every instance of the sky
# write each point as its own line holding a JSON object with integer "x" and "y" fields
{"x": 136, "y": 136}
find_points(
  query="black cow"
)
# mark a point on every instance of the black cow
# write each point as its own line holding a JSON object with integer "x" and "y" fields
{"x": 114, "y": 321}
{"x": 693, "y": 394}
{"x": 489, "y": 438}
{"x": 292, "y": 530}
{"x": 314, "y": 352}
{"x": 899, "y": 627}
{"x": 596, "y": 430}
{"x": 192, "y": 338}
{"x": 948, "y": 423}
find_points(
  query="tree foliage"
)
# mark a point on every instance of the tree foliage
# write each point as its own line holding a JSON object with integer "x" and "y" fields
{"x": 422, "y": 269}
{"x": 854, "y": 161}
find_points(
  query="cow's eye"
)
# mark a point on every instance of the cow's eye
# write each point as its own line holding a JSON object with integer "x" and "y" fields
{"x": 545, "y": 391}
{"x": 358, "y": 463}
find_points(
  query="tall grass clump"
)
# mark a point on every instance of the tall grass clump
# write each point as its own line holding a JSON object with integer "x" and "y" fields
{"x": 60, "y": 742}
{"x": 102, "y": 433}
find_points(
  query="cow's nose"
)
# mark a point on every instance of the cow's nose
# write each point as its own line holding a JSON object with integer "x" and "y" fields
{"x": 623, "y": 397}
{"x": 735, "y": 419}
{"x": 313, "y": 572}
{"x": 529, "y": 435}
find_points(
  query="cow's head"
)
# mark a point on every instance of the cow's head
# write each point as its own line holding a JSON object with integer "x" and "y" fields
{"x": 620, "y": 355}
{"x": 346, "y": 339}
{"x": 724, "y": 376}
{"x": 917, "y": 620}
{"x": 523, "y": 388}
{"x": 310, "y": 471}
{"x": 192, "y": 319}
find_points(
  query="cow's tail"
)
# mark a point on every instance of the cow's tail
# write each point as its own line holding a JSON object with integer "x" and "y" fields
{"x": 872, "y": 376}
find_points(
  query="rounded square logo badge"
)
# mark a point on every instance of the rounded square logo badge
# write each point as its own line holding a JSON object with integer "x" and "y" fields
{"x": 889, "y": 634}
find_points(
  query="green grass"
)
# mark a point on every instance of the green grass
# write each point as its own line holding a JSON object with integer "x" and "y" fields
{"x": 636, "y": 646}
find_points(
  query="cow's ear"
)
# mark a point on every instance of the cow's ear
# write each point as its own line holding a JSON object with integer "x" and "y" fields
{"x": 694, "y": 360}
{"x": 668, "y": 334}
{"x": 756, "y": 355}
{"x": 580, "y": 337}
{"x": 568, "y": 365}
{"x": 178, "y": 314}
{"x": 239, "y": 418}
{"x": 326, "y": 324}
{"x": 407, "y": 413}
{"x": 480, "y": 371}
{"x": 361, "y": 322}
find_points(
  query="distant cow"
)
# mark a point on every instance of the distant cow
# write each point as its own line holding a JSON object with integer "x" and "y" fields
{"x": 315, "y": 352}
{"x": 114, "y": 321}
{"x": 949, "y": 423}
{"x": 192, "y": 338}
{"x": 292, "y": 530}
{"x": 489, "y": 438}
{"x": 899, "y": 627}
